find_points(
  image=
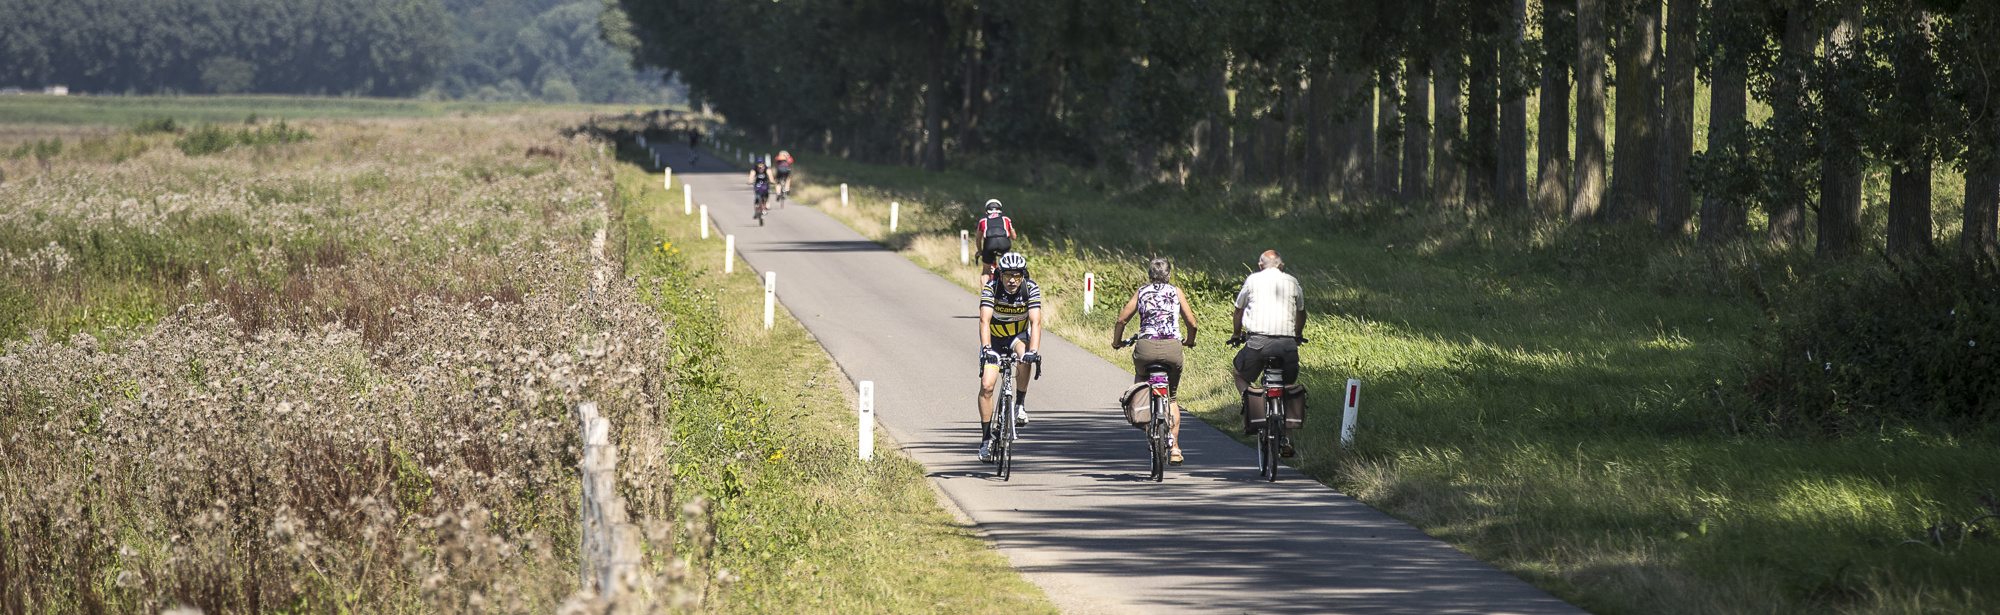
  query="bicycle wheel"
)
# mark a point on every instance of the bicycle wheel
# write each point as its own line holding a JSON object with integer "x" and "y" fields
{"x": 1003, "y": 416}
{"x": 1274, "y": 433}
{"x": 1156, "y": 435}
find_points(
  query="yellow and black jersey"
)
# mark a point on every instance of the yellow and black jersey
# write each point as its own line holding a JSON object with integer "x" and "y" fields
{"x": 1010, "y": 310}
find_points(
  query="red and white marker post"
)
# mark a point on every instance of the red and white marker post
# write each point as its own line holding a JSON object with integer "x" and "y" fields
{"x": 867, "y": 412}
{"x": 1347, "y": 413}
{"x": 964, "y": 248}
{"x": 1089, "y": 291}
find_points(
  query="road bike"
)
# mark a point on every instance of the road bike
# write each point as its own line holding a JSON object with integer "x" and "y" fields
{"x": 763, "y": 197}
{"x": 1159, "y": 430}
{"x": 1271, "y": 435}
{"x": 1004, "y": 413}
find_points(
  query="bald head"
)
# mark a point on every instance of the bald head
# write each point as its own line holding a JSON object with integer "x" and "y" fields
{"x": 1270, "y": 260}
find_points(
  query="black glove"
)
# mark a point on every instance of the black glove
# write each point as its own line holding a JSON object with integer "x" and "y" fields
{"x": 1235, "y": 341}
{"x": 987, "y": 354}
{"x": 1031, "y": 357}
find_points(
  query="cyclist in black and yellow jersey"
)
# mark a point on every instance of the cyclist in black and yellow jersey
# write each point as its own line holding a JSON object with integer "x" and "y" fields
{"x": 1010, "y": 320}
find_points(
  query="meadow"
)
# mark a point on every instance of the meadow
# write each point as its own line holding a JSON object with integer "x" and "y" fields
{"x": 336, "y": 370}
{"x": 120, "y": 111}
{"x": 1563, "y": 401}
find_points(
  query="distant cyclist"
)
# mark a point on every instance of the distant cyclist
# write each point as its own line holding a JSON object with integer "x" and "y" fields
{"x": 694, "y": 145}
{"x": 760, "y": 180}
{"x": 1270, "y": 322}
{"x": 784, "y": 173}
{"x": 1161, "y": 308}
{"x": 996, "y": 236}
{"x": 1010, "y": 320}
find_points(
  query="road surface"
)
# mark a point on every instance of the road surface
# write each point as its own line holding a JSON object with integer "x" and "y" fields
{"x": 1079, "y": 518}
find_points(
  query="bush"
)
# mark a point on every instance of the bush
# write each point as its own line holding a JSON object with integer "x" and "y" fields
{"x": 153, "y": 125}
{"x": 209, "y": 138}
{"x": 1915, "y": 343}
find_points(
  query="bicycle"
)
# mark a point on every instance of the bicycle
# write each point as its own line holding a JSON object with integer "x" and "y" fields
{"x": 1271, "y": 437}
{"x": 763, "y": 196}
{"x": 1159, "y": 430}
{"x": 1003, "y": 413}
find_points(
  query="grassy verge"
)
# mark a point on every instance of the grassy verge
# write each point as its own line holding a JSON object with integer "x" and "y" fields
{"x": 1548, "y": 398}
{"x": 763, "y": 427}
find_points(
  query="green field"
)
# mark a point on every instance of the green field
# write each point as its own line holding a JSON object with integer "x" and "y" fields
{"x": 128, "y": 110}
{"x": 1547, "y": 397}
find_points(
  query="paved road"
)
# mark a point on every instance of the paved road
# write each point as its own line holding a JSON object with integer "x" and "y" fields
{"x": 1078, "y": 518}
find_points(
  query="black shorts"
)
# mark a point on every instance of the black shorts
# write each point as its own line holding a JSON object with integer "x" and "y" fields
{"x": 987, "y": 257}
{"x": 1004, "y": 345}
{"x": 784, "y": 173}
{"x": 1249, "y": 361}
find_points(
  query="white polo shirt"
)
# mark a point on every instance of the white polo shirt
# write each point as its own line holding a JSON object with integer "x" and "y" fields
{"x": 1271, "y": 301}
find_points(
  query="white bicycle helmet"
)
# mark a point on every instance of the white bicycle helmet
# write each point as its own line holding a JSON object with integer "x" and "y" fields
{"x": 1011, "y": 261}
{"x": 992, "y": 204}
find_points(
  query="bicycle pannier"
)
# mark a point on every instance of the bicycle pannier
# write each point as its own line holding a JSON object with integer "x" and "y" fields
{"x": 1137, "y": 404}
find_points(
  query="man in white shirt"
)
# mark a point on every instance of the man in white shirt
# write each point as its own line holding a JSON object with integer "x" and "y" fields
{"x": 1270, "y": 322}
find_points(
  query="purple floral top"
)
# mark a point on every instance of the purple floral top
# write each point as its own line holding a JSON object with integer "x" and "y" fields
{"x": 1159, "y": 312}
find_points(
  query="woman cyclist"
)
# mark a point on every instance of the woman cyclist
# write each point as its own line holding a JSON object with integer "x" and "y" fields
{"x": 760, "y": 179}
{"x": 1161, "y": 308}
{"x": 784, "y": 173}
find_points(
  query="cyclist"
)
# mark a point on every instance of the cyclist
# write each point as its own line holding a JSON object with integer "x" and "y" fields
{"x": 694, "y": 145}
{"x": 1270, "y": 322}
{"x": 996, "y": 236}
{"x": 784, "y": 173}
{"x": 1161, "y": 309}
{"x": 760, "y": 179}
{"x": 1010, "y": 320}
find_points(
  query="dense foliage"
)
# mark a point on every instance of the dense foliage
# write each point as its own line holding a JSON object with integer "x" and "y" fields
{"x": 367, "y": 47}
{"x": 495, "y": 50}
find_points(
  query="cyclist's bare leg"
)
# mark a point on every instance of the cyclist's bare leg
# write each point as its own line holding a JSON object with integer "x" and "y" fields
{"x": 988, "y": 376}
{"x": 1023, "y": 372}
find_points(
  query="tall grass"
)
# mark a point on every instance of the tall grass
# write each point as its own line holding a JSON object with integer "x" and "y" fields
{"x": 334, "y": 375}
{"x": 1554, "y": 399}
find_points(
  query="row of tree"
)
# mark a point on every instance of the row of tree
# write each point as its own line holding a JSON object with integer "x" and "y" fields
{"x": 1418, "y": 101}
{"x": 469, "y": 49}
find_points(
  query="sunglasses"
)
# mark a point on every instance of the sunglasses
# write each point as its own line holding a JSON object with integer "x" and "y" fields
{"x": 1012, "y": 275}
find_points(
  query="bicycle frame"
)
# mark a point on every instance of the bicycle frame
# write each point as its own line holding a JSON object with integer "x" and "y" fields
{"x": 1160, "y": 428}
{"x": 1273, "y": 432}
{"x": 1003, "y": 415}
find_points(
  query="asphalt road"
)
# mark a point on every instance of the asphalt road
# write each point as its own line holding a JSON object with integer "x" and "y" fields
{"x": 1078, "y": 517}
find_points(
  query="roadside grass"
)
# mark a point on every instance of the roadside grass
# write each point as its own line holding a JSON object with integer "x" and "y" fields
{"x": 128, "y": 110}
{"x": 1549, "y": 398}
{"x": 763, "y": 426}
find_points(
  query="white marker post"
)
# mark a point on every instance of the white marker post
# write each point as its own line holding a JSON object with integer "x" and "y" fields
{"x": 667, "y": 181}
{"x": 704, "y": 222}
{"x": 964, "y": 248}
{"x": 867, "y": 421}
{"x": 1089, "y": 291}
{"x": 642, "y": 140}
{"x": 843, "y": 195}
{"x": 687, "y": 199}
{"x": 770, "y": 297}
{"x": 893, "y": 208}
{"x": 1347, "y": 413}
{"x": 729, "y": 254}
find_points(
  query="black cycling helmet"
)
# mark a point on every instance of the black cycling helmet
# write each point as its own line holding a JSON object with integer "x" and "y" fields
{"x": 992, "y": 204}
{"x": 1011, "y": 261}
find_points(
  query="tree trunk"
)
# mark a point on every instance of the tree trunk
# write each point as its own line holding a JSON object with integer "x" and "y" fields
{"x": 934, "y": 93}
{"x": 1635, "y": 172}
{"x": 1318, "y": 138}
{"x": 975, "y": 87}
{"x": 1552, "y": 178}
{"x": 1981, "y": 234}
{"x": 1512, "y": 183}
{"x": 1447, "y": 96}
{"x": 1788, "y": 224}
{"x": 1212, "y": 132}
{"x": 1840, "y": 158}
{"x": 1481, "y": 151}
{"x": 1723, "y": 214}
{"x": 1354, "y": 142}
{"x": 1388, "y": 129}
{"x": 1910, "y": 175}
{"x": 1588, "y": 199}
{"x": 1677, "y": 129}
{"x": 1417, "y": 131}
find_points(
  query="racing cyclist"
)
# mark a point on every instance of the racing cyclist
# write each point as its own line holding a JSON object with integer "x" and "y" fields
{"x": 996, "y": 236}
{"x": 760, "y": 180}
{"x": 1010, "y": 320}
{"x": 784, "y": 173}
